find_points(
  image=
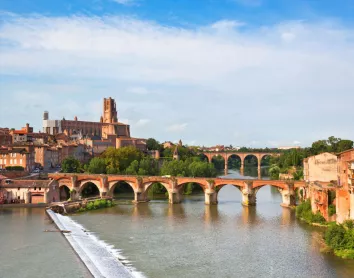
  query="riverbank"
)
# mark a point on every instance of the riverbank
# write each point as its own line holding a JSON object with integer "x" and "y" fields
{"x": 338, "y": 238}
{"x": 97, "y": 257}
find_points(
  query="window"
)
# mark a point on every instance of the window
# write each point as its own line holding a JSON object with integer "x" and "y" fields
{"x": 35, "y": 188}
{"x": 21, "y": 161}
{"x": 15, "y": 161}
{"x": 11, "y": 161}
{"x": 40, "y": 189}
{"x": 18, "y": 188}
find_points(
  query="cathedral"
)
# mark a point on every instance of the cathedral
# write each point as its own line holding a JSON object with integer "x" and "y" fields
{"x": 108, "y": 129}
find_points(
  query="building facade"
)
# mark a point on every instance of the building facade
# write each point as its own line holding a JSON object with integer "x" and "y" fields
{"x": 345, "y": 192}
{"x": 17, "y": 157}
{"x": 108, "y": 132}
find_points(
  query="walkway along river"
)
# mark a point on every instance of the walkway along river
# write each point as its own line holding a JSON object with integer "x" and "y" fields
{"x": 181, "y": 240}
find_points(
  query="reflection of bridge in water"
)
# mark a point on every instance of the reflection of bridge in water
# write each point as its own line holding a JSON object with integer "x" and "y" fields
{"x": 175, "y": 186}
{"x": 241, "y": 155}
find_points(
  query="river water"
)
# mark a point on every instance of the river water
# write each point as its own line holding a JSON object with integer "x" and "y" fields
{"x": 184, "y": 240}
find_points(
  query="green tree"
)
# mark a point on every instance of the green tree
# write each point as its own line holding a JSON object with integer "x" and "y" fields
{"x": 96, "y": 166}
{"x": 133, "y": 168}
{"x": 118, "y": 160}
{"x": 71, "y": 165}
{"x": 152, "y": 144}
{"x": 148, "y": 166}
{"x": 344, "y": 145}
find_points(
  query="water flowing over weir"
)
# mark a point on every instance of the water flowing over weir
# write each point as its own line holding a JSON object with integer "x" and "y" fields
{"x": 101, "y": 259}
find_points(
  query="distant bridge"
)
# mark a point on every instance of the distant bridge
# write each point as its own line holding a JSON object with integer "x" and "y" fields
{"x": 241, "y": 155}
{"x": 174, "y": 186}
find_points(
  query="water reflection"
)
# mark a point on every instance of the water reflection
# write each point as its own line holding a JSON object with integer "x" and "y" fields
{"x": 211, "y": 214}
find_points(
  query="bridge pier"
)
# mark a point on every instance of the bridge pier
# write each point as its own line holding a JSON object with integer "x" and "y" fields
{"x": 211, "y": 197}
{"x": 288, "y": 196}
{"x": 175, "y": 197}
{"x": 140, "y": 197}
{"x": 226, "y": 168}
{"x": 249, "y": 195}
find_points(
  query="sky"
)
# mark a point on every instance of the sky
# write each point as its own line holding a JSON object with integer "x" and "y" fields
{"x": 255, "y": 73}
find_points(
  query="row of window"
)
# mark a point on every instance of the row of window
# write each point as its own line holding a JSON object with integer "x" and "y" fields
{"x": 11, "y": 161}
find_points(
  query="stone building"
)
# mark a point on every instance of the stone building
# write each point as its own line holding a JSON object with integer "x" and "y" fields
{"x": 320, "y": 172}
{"x": 17, "y": 157}
{"x": 322, "y": 167}
{"x": 28, "y": 191}
{"x": 5, "y": 137}
{"x": 345, "y": 192}
{"x": 108, "y": 132}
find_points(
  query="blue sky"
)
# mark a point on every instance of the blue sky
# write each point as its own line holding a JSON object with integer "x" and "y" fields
{"x": 243, "y": 72}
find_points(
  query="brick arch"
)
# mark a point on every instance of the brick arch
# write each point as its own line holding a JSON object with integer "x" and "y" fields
{"x": 146, "y": 186}
{"x": 181, "y": 185}
{"x": 279, "y": 185}
{"x": 221, "y": 185}
{"x": 254, "y": 155}
{"x": 65, "y": 182}
{"x": 113, "y": 184}
{"x": 234, "y": 154}
{"x": 83, "y": 183}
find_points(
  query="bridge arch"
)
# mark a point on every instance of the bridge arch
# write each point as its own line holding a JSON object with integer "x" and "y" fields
{"x": 231, "y": 158}
{"x": 219, "y": 161}
{"x": 92, "y": 186}
{"x": 113, "y": 185}
{"x": 64, "y": 193}
{"x": 148, "y": 185}
{"x": 247, "y": 156}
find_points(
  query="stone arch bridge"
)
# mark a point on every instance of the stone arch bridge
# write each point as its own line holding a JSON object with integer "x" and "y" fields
{"x": 174, "y": 186}
{"x": 241, "y": 155}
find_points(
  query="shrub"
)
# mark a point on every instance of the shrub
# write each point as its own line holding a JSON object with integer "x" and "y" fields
{"x": 304, "y": 211}
{"x": 349, "y": 224}
{"x": 90, "y": 206}
{"x": 331, "y": 210}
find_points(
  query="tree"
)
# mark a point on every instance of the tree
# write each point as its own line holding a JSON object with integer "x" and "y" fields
{"x": 319, "y": 146}
{"x": 96, "y": 166}
{"x": 118, "y": 160}
{"x": 344, "y": 145}
{"x": 71, "y": 165}
{"x": 133, "y": 168}
{"x": 152, "y": 144}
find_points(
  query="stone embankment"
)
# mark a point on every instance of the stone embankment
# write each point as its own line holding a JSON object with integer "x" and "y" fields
{"x": 75, "y": 206}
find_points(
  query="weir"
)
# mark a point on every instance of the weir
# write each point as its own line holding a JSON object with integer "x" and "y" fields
{"x": 97, "y": 257}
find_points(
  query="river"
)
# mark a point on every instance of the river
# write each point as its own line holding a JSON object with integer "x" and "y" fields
{"x": 184, "y": 240}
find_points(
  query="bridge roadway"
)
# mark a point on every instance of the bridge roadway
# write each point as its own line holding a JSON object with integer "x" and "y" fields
{"x": 174, "y": 186}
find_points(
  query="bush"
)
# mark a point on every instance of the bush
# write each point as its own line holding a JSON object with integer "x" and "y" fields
{"x": 304, "y": 211}
{"x": 349, "y": 224}
{"x": 90, "y": 206}
{"x": 15, "y": 168}
{"x": 341, "y": 239}
{"x": 331, "y": 210}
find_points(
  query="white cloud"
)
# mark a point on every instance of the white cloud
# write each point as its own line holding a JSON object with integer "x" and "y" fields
{"x": 125, "y": 2}
{"x": 296, "y": 142}
{"x": 226, "y": 25}
{"x": 138, "y": 90}
{"x": 177, "y": 127}
{"x": 142, "y": 122}
{"x": 275, "y": 82}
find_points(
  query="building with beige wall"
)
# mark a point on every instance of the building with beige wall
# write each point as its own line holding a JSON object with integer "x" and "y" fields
{"x": 322, "y": 167}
